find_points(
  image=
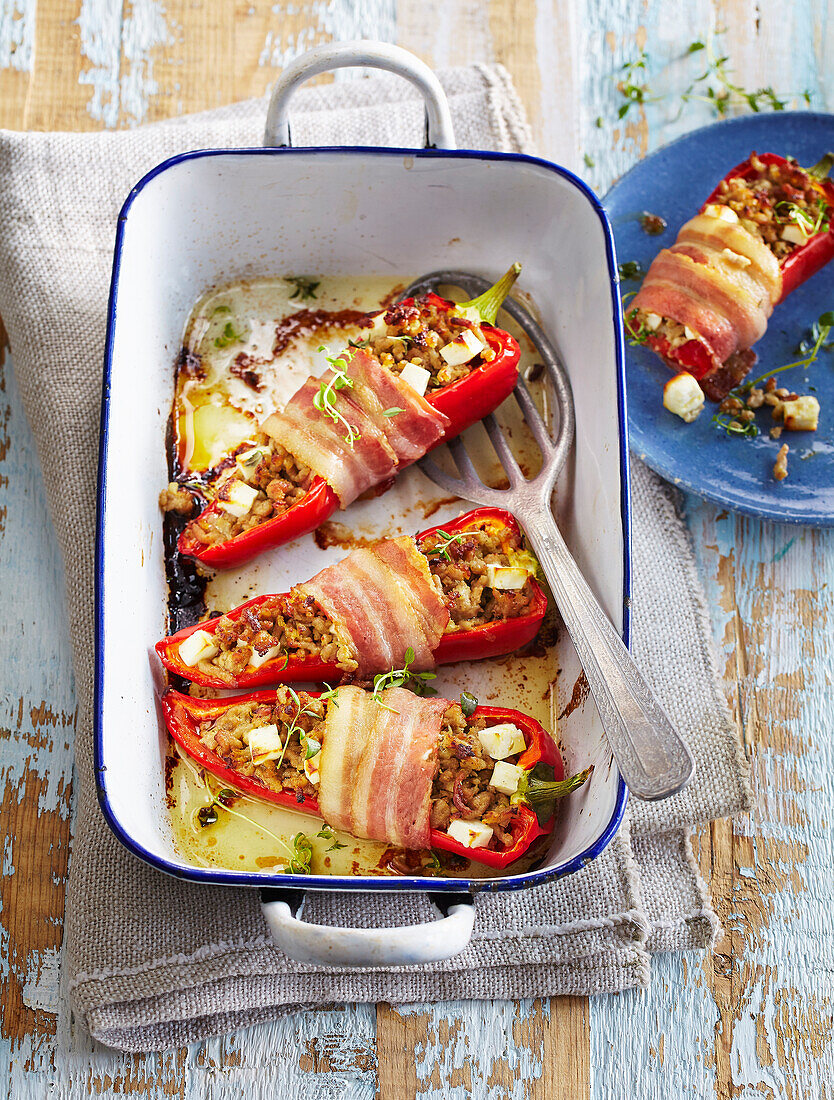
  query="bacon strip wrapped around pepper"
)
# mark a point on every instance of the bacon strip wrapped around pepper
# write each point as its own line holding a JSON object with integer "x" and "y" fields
{"x": 706, "y": 300}
{"x": 375, "y": 411}
{"x": 379, "y": 766}
{"x": 432, "y": 594}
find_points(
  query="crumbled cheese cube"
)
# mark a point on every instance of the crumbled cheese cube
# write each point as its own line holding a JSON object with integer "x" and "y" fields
{"x": 795, "y": 234}
{"x": 736, "y": 258}
{"x": 236, "y": 497}
{"x": 717, "y": 210}
{"x": 506, "y": 777}
{"x": 652, "y": 321}
{"x": 264, "y": 743}
{"x": 683, "y": 396}
{"x": 378, "y": 328}
{"x": 471, "y": 834}
{"x": 248, "y": 460}
{"x": 199, "y": 646}
{"x": 462, "y": 348}
{"x": 416, "y": 377}
{"x": 258, "y": 659}
{"x": 506, "y": 577}
{"x": 801, "y": 415}
{"x": 501, "y": 741}
{"x": 311, "y": 768}
{"x": 689, "y": 334}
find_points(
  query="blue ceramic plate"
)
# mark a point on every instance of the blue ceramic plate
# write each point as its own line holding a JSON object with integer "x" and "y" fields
{"x": 736, "y": 471}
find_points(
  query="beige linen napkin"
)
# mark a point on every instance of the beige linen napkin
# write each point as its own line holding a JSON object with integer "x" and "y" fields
{"x": 153, "y": 962}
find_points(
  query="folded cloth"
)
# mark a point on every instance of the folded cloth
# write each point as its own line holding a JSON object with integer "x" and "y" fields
{"x": 153, "y": 962}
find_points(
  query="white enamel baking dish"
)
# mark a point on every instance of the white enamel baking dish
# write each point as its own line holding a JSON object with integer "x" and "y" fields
{"x": 209, "y": 217}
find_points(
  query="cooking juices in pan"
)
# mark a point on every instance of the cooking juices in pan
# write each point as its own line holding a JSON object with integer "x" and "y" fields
{"x": 247, "y": 349}
{"x": 421, "y": 370}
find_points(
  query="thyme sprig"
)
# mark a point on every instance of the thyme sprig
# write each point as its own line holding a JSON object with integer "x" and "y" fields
{"x": 228, "y": 336}
{"x": 325, "y": 399}
{"x": 810, "y": 349}
{"x": 403, "y": 677}
{"x": 304, "y": 288}
{"x": 715, "y": 86}
{"x": 326, "y": 833}
{"x": 443, "y": 551}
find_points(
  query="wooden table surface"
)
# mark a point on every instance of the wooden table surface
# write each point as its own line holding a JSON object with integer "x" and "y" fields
{"x": 752, "y": 1019}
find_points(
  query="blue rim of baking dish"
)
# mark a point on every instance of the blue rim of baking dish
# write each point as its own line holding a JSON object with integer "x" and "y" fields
{"x": 333, "y": 882}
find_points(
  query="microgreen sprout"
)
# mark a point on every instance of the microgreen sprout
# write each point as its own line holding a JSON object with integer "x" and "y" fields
{"x": 325, "y": 399}
{"x": 228, "y": 336}
{"x": 636, "y": 334}
{"x": 304, "y": 288}
{"x": 403, "y": 677}
{"x": 808, "y": 224}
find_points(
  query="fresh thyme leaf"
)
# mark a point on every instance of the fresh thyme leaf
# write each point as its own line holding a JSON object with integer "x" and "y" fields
{"x": 630, "y": 269}
{"x": 599, "y": 121}
{"x": 358, "y": 343}
{"x": 310, "y": 745}
{"x": 434, "y": 860}
{"x": 403, "y": 677}
{"x": 468, "y": 703}
{"x": 589, "y": 161}
{"x": 448, "y": 539}
{"x": 732, "y": 426}
{"x": 331, "y": 695}
{"x": 304, "y": 288}
{"x": 228, "y": 336}
{"x": 393, "y": 411}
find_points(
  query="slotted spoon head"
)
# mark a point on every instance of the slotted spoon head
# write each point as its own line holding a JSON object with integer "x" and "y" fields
{"x": 522, "y": 491}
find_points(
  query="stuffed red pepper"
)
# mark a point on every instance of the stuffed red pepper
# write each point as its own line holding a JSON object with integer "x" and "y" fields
{"x": 416, "y": 773}
{"x": 426, "y": 370}
{"x": 463, "y": 591}
{"x": 706, "y": 300}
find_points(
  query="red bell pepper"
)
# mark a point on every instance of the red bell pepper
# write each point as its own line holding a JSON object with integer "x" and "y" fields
{"x": 805, "y": 260}
{"x": 464, "y": 403}
{"x": 490, "y": 640}
{"x": 184, "y": 715}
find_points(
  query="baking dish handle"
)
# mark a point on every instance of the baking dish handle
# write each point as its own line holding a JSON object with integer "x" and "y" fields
{"x": 410, "y": 945}
{"x": 377, "y": 55}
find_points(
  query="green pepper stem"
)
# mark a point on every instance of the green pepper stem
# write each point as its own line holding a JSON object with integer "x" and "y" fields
{"x": 487, "y": 304}
{"x": 542, "y": 795}
{"x": 822, "y": 168}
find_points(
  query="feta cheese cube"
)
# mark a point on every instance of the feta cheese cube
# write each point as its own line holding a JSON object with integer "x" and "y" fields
{"x": 311, "y": 768}
{"x": 717, "y": 210}
{"x": 471, "y": 834}
{"x": 795, "y": 234}
{"x": 652, "y": 321}
{"x": 248, "y": 460}
{"x": 506, "y": 777}
{"x": 683, "y": 396}
{"x": 462, "y": 348}
{"x": 501, "y": 741}
{"x": 378, "y": 328}
{"x": 689, "y": 334}
{"x": 236, "y": 497}
{"x": 199, "y": 646}
{"x": 801, "y": 415}
{"x": 506, "y": 577}
{"x": 258, "y": 659}
{"x": 416, "y": 377}
{"x": 264, "y": 743}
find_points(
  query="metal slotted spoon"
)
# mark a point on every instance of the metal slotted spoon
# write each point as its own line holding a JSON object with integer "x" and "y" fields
{"x": 651, "y": 756}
